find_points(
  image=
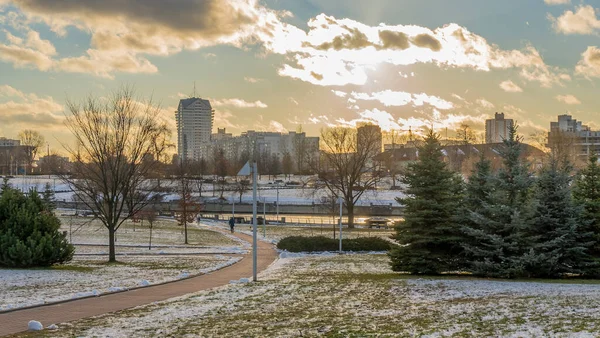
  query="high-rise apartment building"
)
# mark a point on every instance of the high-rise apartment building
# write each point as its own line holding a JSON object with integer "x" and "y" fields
{"x": 194, "y": 118}
{"x": 369, "y": 135}
{"x": 497, "y": 129}
{"x": 570, "y": 135}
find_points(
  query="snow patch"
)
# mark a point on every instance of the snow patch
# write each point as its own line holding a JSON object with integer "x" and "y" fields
{"x": 34, "y": 325}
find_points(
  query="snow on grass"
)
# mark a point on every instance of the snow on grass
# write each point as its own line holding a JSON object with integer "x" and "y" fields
{"x": 164, "y": 232}
{"x": 358, "y": 295}
{"x": 92, "y": 276}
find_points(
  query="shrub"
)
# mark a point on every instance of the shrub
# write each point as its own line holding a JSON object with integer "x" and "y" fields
{"x": 29, "y": 232}
{"x": 321, "y": 243}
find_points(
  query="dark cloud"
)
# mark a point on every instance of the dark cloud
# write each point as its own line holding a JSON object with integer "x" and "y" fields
{"x": 355, "y": 40}
{"x": 207, "y": 17}
{"x": 316, "y": 76}
{"x": 427, "y": 41}
{"x": 394, "y": 40}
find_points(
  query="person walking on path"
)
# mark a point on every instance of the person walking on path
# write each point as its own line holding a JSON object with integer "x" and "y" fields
{"x": 231, "y": 224}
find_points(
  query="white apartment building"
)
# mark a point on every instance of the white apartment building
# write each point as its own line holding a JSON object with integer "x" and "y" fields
{"x": 497, "y": 129}
{"x": 194, "y": 118}
{"x": 574, "y": 134}
{"x": 263, "y": 143}
{"x": 6, "y": 142}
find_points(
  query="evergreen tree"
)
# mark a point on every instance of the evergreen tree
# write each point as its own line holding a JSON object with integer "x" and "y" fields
{"x": 499, "y": 225}
{"x": 561, "y": 242}
{"x": 48, "y": 197}
{"x": 429, "y": 236}
{"x": 586, "y": 193}
{"x": 29, "y": 232}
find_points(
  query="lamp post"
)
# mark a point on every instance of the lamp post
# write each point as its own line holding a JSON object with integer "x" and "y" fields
{"x": 264, "y": 217}
{"x": 341, "y": 202}
{"x": 277, "y": 203}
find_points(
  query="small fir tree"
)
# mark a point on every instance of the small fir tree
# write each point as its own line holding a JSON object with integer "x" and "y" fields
{"x": 29, "y": 232}
{"x": 429, "y": 236}
{"x": 498, "y": 229}
{"x": 561, "y": 241}
{"x": 586, "y": 193}
{"x": 48, "y": 197}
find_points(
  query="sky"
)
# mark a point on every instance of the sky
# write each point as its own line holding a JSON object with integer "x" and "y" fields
{"x": 281, "y": 65}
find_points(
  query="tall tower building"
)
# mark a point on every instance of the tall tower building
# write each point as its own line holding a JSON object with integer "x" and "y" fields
{"x": 369, "y": 135}
{"x": 194, "y": 118}
{"x": 497, "y": 129}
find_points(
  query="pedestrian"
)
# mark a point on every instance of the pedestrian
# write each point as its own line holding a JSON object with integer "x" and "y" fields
{"x": 231, "y": 224}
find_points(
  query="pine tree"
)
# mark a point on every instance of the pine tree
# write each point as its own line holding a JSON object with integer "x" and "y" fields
{"x": 499, "y": 242}
{"x": 429, "y": 236}
{"x": 561, "y": 241}
{"x": 48, "y": 197}
{"x": 586, "y": 193}
{"x": 29, "y": 232}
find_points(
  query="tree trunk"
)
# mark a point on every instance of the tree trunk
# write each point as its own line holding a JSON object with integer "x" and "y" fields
{"x": 350, "y": 209}
{"x": 150, "y": 241}
{"x": 185, "y": 230}
{"x": 111, "y": 245}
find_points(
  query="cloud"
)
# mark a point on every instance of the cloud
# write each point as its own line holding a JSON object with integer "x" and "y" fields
{"x": 339, "y": 93}
{"x": 395, "y": 98}
{"x": 28, "y": 52}
{"x": 589, "y": 65}
{"x": 388, "y": 122}
{"x": 568, "y": 99}
{"x": 485, "y": 103}
{"x": 277, "y": 127}
{"x": 337, "y": 52}
{"x": 583, "y": 21}
{"x": 124, "y": 32}
{"x": 557, "y": 2}
{"x": 237, "y": 103}
{"x": 26, "y": 110}
{"x": 252, "y": 79}
{"x": 511, "y": 87}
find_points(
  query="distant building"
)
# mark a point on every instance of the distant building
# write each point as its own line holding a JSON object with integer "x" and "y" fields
{"x": 54, "y": 164}
{"x": 194, "y": 118}
{"x": 367, "y": 131}
{"x": 461, "y": 158}
{"x": 6, "y": 142}
{"x": 497, "y": 129}
{"x": 13, "y": 157}
{"x": 568, "y": 134}
{"x": 237, "y": 148}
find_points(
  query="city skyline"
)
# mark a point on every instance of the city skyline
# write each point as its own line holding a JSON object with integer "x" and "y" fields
{"x": 275, "y": 65}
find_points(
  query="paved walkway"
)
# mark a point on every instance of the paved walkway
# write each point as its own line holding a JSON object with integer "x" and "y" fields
{"x": 15, "y": 322}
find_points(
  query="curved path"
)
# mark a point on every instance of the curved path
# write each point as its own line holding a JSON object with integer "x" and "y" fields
{"x": 16, "y": 321}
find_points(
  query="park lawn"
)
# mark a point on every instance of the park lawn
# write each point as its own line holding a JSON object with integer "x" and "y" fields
{"x": 85, "y": 230}
{"x": 358, "y": 295}
{"x": 277, "y": 232}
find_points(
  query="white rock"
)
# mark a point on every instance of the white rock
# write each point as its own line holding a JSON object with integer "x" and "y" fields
{"x": 144, "y": 283}
{"x": 244, "y": 280}
{"x": 52, "y": 327}
{"x": 34, "y": 325}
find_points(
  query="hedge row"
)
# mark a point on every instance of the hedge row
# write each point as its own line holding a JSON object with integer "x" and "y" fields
{"x": 321, "y": 243}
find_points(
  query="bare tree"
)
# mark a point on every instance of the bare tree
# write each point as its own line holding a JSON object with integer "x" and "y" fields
{"x": 33, "y": 141}
{"x": 188, "y": 208}
{"x": 287, "y": 164}
{"x": 348, "y": 169}
{"x": 109, "y": 170}
{"x": 465, "y": 134}
{"x": 221, "y": 169}
{"x": 241, "y": 186}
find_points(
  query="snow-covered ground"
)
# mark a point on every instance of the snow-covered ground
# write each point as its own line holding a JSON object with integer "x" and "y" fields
{"x": 358, "y": 295}
{"x": 89, "y": 274}
{"x": 274, "y": 233}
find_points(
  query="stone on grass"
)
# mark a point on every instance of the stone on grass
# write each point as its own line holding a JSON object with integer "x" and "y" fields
{"x": 52, "y": 327}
